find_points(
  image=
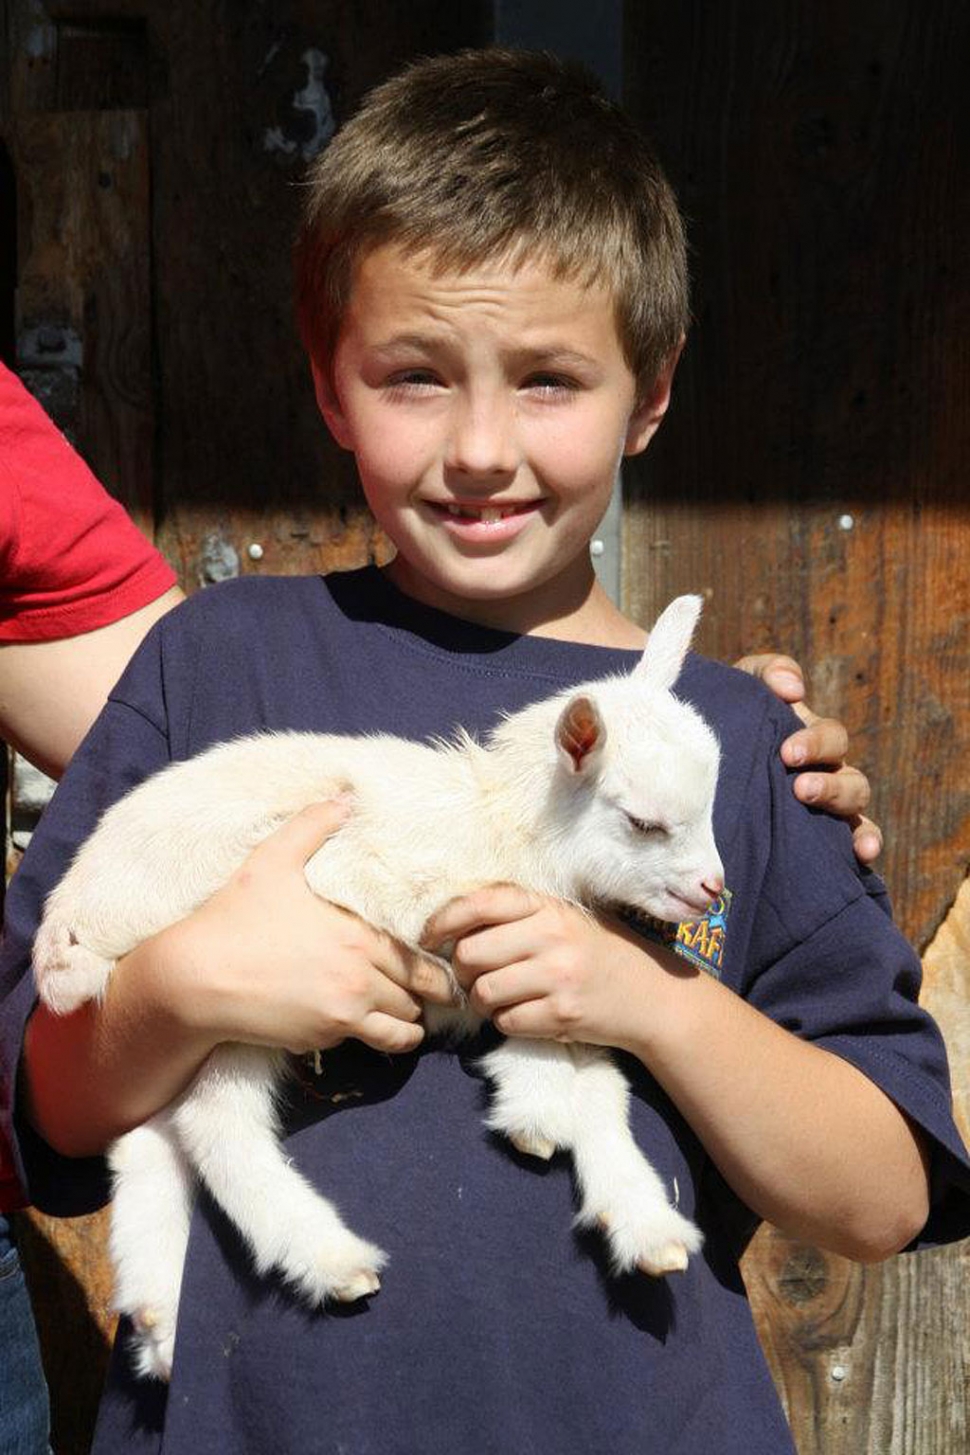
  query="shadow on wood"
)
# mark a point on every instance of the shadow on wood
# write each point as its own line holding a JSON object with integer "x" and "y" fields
{"x": 67, "y": 1270}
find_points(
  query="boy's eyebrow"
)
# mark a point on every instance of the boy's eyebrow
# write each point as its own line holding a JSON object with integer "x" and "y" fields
{"x": 554, "y": 353}
{"x": 401, "y": 342}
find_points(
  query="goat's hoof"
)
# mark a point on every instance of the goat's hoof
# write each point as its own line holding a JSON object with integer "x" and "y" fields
{"x": 531, "y": 1144}
{"x": 652, "y": 1240}
{"x": 154, "y": 1344}
{"x": 359, "y": 1285}
{"x": 670, "y": 1258}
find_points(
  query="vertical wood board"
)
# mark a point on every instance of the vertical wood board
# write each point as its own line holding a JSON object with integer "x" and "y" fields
{"x": 84, "y": 297}
{"x": 812, "y": 480}
{"x": 823, "y": 160}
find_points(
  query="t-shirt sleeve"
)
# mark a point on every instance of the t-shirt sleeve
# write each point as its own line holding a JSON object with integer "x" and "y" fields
{"x": 71, "y": 559}
{"x": 126, "y": 744}
{"x": 826, "y": 962}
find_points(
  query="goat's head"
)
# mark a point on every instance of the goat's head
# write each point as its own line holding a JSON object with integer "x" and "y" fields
{"x": 635, "y": 785}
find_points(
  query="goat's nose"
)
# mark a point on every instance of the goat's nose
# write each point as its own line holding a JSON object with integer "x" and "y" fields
{"x": 713, "y": 885}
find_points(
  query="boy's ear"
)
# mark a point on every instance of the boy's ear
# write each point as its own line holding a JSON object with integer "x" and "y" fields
{"x": 329, "y": 405}
{"x": 647, "y": 418}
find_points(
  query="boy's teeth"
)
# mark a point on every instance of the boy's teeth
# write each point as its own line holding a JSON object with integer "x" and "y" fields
{"x": 489, "y": 513}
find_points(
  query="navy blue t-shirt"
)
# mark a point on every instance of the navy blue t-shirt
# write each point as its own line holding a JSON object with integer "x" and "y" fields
{"x": 497, "y": 1328}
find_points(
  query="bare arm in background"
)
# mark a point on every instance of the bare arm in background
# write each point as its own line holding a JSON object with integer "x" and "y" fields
{"x": 51, "y": 692}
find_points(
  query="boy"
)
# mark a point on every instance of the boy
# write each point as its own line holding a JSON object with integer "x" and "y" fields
{"x": 493, "y": 292}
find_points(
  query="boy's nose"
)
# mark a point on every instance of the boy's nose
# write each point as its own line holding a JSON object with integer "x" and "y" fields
{"x": 482, "y": 440}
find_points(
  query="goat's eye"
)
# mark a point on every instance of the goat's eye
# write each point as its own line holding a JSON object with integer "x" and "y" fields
{"x": 645, "y": 826}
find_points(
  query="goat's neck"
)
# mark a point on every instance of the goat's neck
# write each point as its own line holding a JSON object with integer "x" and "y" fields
{"x": 510, "y": 797}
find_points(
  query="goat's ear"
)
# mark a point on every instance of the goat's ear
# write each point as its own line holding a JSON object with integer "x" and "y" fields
{"x": 580, "y": 735}
{"x": 667, "y": 644}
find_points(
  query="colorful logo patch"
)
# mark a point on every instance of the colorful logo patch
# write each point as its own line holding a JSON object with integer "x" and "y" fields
{"x": 701, "y": 941}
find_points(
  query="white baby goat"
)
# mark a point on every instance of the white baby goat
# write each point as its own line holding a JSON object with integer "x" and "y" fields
{"x": 601, "y": 795}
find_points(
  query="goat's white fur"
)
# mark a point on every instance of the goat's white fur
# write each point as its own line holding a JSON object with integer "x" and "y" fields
{"x": 545, "y": 803}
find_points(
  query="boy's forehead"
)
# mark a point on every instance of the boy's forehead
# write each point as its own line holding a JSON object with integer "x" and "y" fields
{"x": 397, "y": 295}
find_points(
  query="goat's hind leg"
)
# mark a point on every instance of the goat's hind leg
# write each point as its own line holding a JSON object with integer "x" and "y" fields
{"x": 66, "y": 972}
{"x": 151, "y": 1210}
{"x": 226, "y": 1123}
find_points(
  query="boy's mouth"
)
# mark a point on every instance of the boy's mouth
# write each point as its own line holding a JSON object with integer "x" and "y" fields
{"x": 484, "y": 514}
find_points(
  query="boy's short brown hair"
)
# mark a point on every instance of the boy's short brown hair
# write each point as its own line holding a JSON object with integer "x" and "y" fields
{"x": 498, "y": 154}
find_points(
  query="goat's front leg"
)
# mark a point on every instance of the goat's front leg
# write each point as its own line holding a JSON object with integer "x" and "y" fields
{"x": 619, "y": 1190}
{"x": 549, "y": 1096}
{"x": 533, "y": 1088}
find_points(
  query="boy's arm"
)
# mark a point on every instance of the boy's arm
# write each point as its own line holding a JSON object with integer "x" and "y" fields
{"x": 801, "y": 1136}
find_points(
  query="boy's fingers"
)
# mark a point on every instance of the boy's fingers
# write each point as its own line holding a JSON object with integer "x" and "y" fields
{"x": 300, "y": 837}
{"x": 384, "y": 1033}
{"x": 420, "y": 975}
{"x": 781, "y": 674}
{"x": 808, "y": 717}
{"x": 496, "y": 904}
{"x": 508, "y": 985}
{"x": 824, "y": 742}
{"x": 392, "y": 999}
{"x": 866, "y": 840}
{"x": 845, "y": 793}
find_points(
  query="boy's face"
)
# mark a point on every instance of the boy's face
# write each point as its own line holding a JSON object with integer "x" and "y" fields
{"x": 488, "y": 412}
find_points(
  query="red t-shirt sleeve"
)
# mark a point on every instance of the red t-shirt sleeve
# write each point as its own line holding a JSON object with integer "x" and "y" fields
{"x": 71, "y": 559}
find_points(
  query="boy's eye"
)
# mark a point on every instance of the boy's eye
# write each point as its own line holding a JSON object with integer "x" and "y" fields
{"x": 645, "y": 826}
{"x": 413, "y": 380}
{"x": 550, "y": 384}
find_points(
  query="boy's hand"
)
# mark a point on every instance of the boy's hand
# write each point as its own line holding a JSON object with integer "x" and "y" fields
{"x": 821, "y": 745}
{"x": 537, "y": 966}
{"x": 269, "y": 962}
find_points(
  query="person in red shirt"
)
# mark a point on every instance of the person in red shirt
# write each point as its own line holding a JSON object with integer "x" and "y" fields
{"x": 79, "y": 587}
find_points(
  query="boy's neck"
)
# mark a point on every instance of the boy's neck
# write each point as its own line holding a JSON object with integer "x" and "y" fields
{"x": 584, "y": 615}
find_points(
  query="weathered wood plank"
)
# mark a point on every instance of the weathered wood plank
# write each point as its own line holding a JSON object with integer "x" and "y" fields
{"x": 67, "y": 1269}
{"x": 868, "y": 1361}
{"x": 824, "y": 161}
{"x": 84, "y": 298}
{"x": 250, "y": 97}
{"x": 811, "y": 479}
{"x": 946, "y": 994}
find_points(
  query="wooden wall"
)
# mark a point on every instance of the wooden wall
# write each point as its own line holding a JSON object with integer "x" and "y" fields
{"x": 811, "y": 478}
{"x": 814, "y": 480}
{"x": 822, "y": 155}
